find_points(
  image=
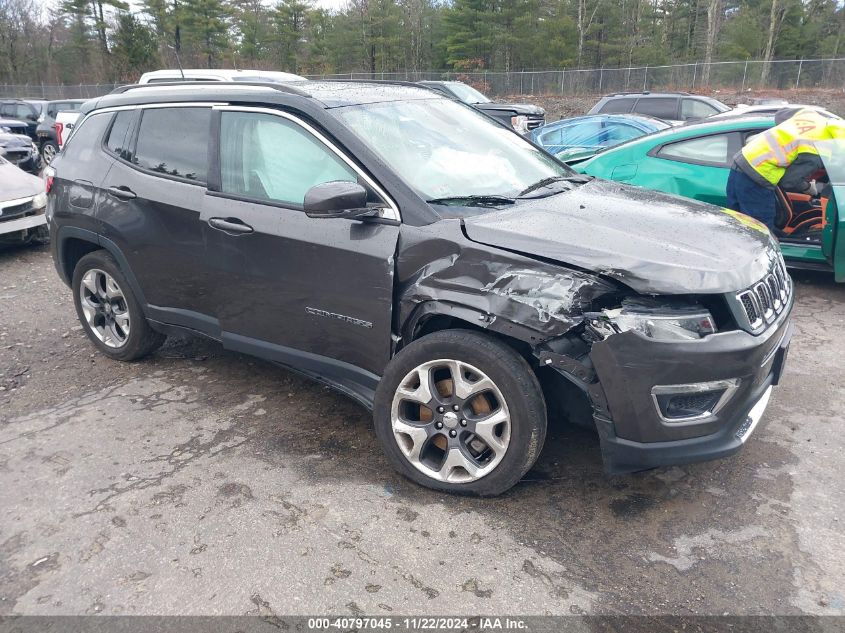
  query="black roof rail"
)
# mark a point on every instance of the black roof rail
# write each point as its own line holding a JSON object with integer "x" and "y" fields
{"x": 218, "y": 84}
{"x": 648, "y": 92}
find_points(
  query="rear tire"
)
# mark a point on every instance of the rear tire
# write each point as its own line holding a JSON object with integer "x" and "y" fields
{"x": 478, "y": 434}
{"x": 49, "y": 149}
{"x": 108, "y": 310}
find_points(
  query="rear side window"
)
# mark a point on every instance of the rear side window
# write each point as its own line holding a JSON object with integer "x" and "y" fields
{"x": 118, "y": 139}
{"x": 174, "y": 141}
{"x": 660, "y": 107}
{"x": 267, "y": 157}
{"x": 617, "y": 106}
{"x": 710, "y": 150}
{"x": 86, "y": 138}
{"x": 695, "y": 109}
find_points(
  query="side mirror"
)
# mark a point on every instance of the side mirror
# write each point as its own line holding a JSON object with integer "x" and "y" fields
{"x": 337, "y": 199}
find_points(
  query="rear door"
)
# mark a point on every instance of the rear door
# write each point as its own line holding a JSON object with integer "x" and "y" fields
{"x": 695, "y": 167}
{"x": 288, "y": 285}
{"x": 151, "y": 209}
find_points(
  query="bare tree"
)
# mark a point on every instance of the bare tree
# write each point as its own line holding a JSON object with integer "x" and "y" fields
{"x": 715, "y": 13}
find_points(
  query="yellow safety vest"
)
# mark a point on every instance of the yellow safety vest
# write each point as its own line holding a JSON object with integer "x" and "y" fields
{"x": 771, "y": 152}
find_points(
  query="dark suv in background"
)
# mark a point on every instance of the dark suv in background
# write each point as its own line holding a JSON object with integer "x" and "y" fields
{"x": 46, "y": 130}
{"x": 25, "y": 110}
{"x": 522, "y": 117}
{"x": 669, "y": 106}
{"x": 424, "y": 260}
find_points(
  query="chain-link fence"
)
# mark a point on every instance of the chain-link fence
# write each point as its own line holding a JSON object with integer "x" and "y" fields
{"x": 725, "y": 76}
{"x": 728, "y": 76}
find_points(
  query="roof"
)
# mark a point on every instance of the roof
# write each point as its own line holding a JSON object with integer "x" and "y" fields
{"x": 706, "y": 126}
{"x": 223, "y": 74}
{"x": 326, "y": 94}
{"x": 624, "y": 117}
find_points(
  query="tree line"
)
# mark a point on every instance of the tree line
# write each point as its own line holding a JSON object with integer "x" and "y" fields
{"x": 96, "y": 41}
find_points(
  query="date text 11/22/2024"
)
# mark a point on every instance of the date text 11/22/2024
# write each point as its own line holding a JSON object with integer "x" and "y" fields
{"x": 420, "y": 623}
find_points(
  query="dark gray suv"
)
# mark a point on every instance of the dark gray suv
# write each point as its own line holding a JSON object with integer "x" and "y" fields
{"x": 669, "y": 106}
{"x": 427, "y": 262}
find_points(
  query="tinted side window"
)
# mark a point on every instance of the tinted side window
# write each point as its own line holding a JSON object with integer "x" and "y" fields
{"x": 174, "y": 141}
{"x": 660, "y": 107}
{"x": 695, "y": 109}
{"x": 270, "y": 158}
{"x": 118, "y": 140}
{"x": 23, "y": 111}
{"x": 618, "y": 106}
{"x": 709, "y": 150}
{"x": 86, "y": 138}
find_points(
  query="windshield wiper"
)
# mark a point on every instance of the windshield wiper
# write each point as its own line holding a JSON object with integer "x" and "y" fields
{"x": 545, "y": 182}
{"x": 473, "y": 201}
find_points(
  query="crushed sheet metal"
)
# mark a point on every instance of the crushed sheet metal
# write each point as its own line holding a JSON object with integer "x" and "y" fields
{"x": 506, "y": 292}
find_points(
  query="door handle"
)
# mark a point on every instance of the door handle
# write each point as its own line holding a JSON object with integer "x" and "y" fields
{"x": 122, "y": 193}
{"x": 232, "y": 226}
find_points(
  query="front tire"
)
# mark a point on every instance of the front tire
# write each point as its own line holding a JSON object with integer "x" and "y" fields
{"x": 108, "y": 310}
{"x": 459, "y": 411}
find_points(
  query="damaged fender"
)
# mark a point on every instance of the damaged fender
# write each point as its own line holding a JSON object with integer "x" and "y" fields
{"x": 504, "y": 292}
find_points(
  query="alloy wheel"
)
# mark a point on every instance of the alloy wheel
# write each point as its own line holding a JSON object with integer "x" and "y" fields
{"x": 48, "y": 152}
{"x": 105, "y": 308}
{"x": 451, "y": 421}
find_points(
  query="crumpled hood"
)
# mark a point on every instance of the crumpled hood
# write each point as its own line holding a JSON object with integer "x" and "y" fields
{"x": 652, "y": 242}
{"x": 15, "y": 183}
{"x": 519, "y": 108}
{"x": 10, "y": 141}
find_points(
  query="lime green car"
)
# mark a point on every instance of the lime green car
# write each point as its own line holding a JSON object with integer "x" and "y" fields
{"x": 694, "y": 161}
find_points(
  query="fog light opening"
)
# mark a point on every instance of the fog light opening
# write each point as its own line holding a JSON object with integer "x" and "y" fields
{"x": 677, "y": 404}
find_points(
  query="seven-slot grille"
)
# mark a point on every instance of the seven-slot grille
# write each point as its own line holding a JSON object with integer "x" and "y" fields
{"x": 762, "y": 302}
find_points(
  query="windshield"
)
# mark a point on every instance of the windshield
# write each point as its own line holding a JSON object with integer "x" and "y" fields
{"x": 446, "y": 150}
{"x": 466, "y": 93}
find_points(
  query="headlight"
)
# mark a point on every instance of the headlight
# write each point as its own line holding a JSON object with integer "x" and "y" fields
{"x": 34, "y": 147}
{"x": 40, "y": 200}
{"x": 520, "y": 123}
{"x": 660, "y": 323}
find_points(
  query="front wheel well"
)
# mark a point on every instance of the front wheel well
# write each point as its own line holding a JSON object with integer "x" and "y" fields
{"x": 439, "y": 322}
{"x": 564, "y": 401}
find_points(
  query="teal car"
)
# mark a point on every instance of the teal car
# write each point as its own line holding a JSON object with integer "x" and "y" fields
{"x": 694, "y": 161}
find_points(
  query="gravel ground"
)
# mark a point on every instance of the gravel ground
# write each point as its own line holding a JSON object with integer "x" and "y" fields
{"x": 204, "y": 482}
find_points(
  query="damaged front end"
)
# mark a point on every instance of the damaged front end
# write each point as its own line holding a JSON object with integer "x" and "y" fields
{"x": 664, "y": 380}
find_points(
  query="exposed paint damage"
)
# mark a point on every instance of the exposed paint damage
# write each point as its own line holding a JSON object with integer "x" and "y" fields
{"x": 505, "y": 292}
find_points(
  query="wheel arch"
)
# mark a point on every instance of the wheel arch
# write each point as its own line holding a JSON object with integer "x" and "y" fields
{"x": 74, "y": 243}
{"x": 564, "y": 398}
{"x": 435, "y": 316}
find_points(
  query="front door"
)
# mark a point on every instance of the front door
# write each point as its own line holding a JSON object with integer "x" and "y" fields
{"x": 289, "y": 286}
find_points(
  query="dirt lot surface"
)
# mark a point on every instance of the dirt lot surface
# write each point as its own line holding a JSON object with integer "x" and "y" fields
{"x": 203, "y": 482}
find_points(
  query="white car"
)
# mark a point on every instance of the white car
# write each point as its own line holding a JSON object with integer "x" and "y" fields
{"x": 765, "y": 109}
{"x": 65, "y": 120}
{"x": 23, "y": 201}
{"x": 206, "y": 74}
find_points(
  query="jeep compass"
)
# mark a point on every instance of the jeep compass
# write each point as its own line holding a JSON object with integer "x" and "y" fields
{"x": 426, "y": 261}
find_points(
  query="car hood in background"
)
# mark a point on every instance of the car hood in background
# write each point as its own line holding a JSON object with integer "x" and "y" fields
{"x": 652, "y": 242}
{"x": 15, "y": 183}
{"x": 519, "y": 108}
{"x": 14, "y": 141}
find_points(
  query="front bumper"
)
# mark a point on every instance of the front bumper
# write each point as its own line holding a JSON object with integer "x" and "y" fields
{"x": 22, "y": 224}
{"x": 633, "y": 434}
